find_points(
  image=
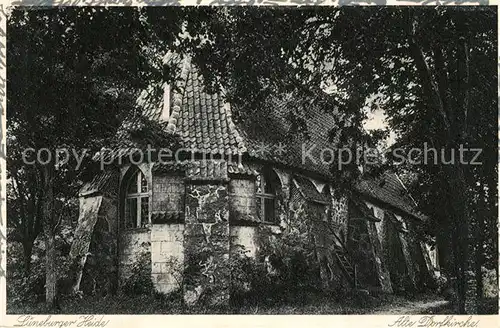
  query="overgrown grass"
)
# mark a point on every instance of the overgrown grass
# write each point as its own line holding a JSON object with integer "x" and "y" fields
{"x": 489, "y": 306}
{"x": 309, "y": 303}
{"x": 116, "y": 304}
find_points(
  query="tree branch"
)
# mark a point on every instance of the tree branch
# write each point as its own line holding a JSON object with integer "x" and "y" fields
{"x": 442, "y": 79}
{"x": 429, "y": 85}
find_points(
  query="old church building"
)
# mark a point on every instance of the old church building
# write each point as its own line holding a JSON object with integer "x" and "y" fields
{"x": 246, "y": 176}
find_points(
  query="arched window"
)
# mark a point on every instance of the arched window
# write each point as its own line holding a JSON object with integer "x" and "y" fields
{"x": 266, "y": 196}
{"x": 136, "y": 201}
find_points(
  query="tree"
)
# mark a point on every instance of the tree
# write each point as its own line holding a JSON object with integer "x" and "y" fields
{"x": 24, "y": 210}
{"x": 73, "y": 77}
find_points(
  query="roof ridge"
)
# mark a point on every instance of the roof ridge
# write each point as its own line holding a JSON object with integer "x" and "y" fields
{"x": 242, "y": 147}
{"x": 406, "y": 189}
{"x": 178, "y": 94}
{"x": 241, "y": 144}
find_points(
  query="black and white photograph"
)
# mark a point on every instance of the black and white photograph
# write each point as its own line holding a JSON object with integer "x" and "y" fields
{"x": 277, "y": 160}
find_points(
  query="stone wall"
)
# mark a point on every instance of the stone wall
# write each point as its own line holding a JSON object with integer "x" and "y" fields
{"x": 190, "y": 238}
{"x": 242, "y": 202}
{"x": 243, "y": 215}
{"x": 340, "y": 216}
{"x": 133, "y": 243}
{"x": 397, "y": 256}
{"x": 394, "y": 257}
{"x": 364, "y": 242}
{"x": 379, "y": 214}
{"x": 410, "y": 258}
{"x": 246, "y": 237}
{"x": 206, "y": 244}
{"x": 315, "y": 221}
{"x": 109, "y": 212}
{"x": 425, "y": 271}
{"x": 379, "y": 239}
{"x": 296, "y": 219}
{"x": 320, "y": 224}
{"x": 104, "y": 245}
{"x": 433, "y": 257}
{"x": 167, "y": 232}
{"x": 283, "y": 197}
{"x": 395, "y": 246}
{"x": 83, "y": 236}
{"x": 378, "y": 255}
{"x": 167, "y": 256}
{"x": 360, "y": 245}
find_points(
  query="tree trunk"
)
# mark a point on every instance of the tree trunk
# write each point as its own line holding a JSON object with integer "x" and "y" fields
{"x": 444, "y": 245}
{"x": 480, "y": 240}
{"x": 49, "y": 233}
{"x": 458, "y": 231}
{"x": 27, "y": 252}
{"x": 461, "y": 236}
{"x": 479, "y": 273}
{"x": 50, "y": 270}
{"x": 460, "y": 133}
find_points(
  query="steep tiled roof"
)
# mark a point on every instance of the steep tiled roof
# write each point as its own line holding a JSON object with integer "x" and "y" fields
{"x": 269, "y": 135}
{"x": 390, "y": 190}
{"x": 203, "y": 120}
{"x": 204, "y": 123}
{"x": 191, "y": 168}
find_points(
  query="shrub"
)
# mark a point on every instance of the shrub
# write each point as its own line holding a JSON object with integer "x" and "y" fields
{"x": 292, "y": 259}
{"x": 22, "y": 288}
{"x": 249, "y": 278}
{"x": 284, "y": 270}
{"x": 139, "y": 282}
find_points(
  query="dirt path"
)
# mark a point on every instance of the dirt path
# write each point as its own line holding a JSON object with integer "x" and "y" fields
{"x": 417, "y": 307}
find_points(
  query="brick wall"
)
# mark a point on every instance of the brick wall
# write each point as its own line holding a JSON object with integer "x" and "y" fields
{"x": 364, "y": 242}
{"x": 410, "y": 258}
{"x": 380, "y": 265}
{"x": 314, "y": 221}
{"x": 397, "y": 256}
{"x": 379, "y": 214}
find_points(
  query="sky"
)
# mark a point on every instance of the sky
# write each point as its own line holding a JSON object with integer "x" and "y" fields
{"x": 377, "y": 120}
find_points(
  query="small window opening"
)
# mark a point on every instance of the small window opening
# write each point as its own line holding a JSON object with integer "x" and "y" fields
{"x": 137, "y": 201}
